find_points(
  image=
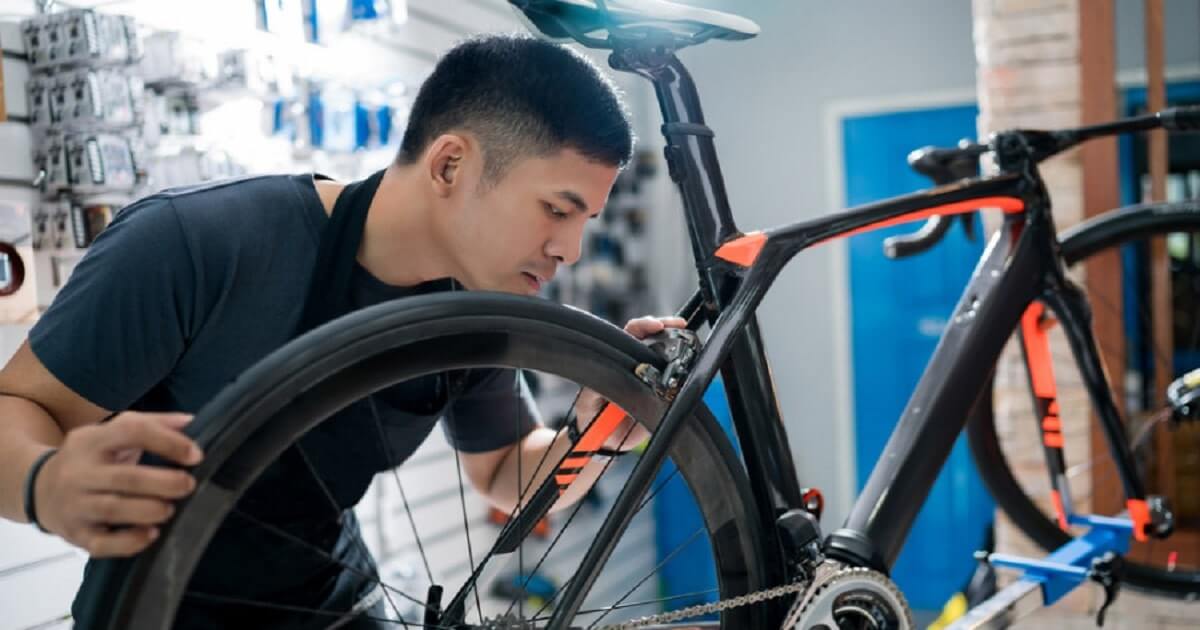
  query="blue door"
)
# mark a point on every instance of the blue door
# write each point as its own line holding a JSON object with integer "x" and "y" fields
{"x": 898, "y": 312}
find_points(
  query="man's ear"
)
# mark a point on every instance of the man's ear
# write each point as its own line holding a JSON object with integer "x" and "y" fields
{"x": 445, "y": 163}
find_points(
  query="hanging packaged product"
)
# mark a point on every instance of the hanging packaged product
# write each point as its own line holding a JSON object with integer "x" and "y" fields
{"x": 173, "y": 59}
{"x": 85, "y": 98}
{"x": 79, "y": 37}
{"x": 87, "y": 164}
{"x": 88, "y": 220}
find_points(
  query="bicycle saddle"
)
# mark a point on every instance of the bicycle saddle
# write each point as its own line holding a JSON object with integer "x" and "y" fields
{"x": 585, "y": 22}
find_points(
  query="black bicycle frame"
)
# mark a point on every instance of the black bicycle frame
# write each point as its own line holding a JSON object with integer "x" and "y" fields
{"x": 1020, "y": 265}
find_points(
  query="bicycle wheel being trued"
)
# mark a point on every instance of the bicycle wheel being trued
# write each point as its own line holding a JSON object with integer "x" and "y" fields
{"x": 258, "y": 417}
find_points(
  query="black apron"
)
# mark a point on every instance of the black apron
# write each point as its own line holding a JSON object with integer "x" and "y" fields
{"x": 288, "y": 495}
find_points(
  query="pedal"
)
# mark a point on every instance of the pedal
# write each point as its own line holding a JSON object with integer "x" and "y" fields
{"x": 1107, "y": 570}
{"x": 1183, "y": 396}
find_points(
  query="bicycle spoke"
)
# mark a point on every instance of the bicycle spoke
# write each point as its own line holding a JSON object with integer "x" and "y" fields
{"x": 636, "y": 512}
{"x": 278, "y": 531}
{"x": 357, "y": 535}
{"x": 224, "y": 599}
{"x": 574, "y": 510}
{"x": 470, "y": 583}
{"x": 521, "y": 488}
{"x": 654, "y": 493}
{"x": 390, "y": 457}
{"x": 462, "y": 499}
{"x": 658, "y": 566}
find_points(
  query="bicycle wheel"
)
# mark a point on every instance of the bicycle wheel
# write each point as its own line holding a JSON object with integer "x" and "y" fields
{"x": 270, "y": 406}
{"x": 1004, "y": 437}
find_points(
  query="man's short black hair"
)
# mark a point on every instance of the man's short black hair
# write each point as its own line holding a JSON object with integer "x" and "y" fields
{"x": 521, "y": 97}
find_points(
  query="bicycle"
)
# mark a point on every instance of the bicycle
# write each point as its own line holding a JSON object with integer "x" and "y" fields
{"x": 771, "y": 563}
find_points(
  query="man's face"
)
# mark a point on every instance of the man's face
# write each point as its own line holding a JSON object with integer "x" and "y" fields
{"x": 513, "y": 234}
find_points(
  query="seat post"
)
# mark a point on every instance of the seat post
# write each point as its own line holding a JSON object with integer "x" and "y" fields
{"x": 690, "y": 152}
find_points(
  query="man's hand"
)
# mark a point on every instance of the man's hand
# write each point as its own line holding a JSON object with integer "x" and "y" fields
{"x": 93, "y": 493}
{"x": 629, "y": 433}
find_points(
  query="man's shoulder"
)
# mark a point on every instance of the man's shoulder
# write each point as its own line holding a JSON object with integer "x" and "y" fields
{"x": 235, "y": 187}
{"x": 250, "y": 209}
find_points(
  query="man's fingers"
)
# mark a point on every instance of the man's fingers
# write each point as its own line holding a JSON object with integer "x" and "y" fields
{"x": 104, "y": 542}
{"x": 148, "y": 481}
{"x": 114, "y": 509}
{"x": 645, "y": 326}
{"x": 174, "y": 420}
{"x": 157, "y": 433}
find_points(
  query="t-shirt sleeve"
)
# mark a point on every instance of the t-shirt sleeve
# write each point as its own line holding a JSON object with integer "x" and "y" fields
{"x": 493, "y": 413}
{"x": 122, "y": 321}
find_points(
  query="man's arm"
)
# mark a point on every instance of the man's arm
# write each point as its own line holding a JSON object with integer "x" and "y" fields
{"x": 495, "y": 473}
{"x": 90, "y": 484}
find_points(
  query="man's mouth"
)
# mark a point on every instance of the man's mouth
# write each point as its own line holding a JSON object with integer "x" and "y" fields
{"x": 535, "y": 283}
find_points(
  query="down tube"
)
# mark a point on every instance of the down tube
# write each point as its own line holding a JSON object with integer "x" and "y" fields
{"x": 986, "y": 314}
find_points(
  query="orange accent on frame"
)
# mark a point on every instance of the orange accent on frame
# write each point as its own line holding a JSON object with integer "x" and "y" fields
{"x": 1051, "y": 423}
{"x": 1053, "y": 440}
{"x": 743, "y": 250}
{"x": 1010, "y": 205}
{"x": 574, "y": 462}
{"x": 1059, "y": 510}
{"x": 1139, "y": 513}
{"x": 603, "y": 426}
{"x": 565, "y": 480}
{"x": 1037, "y": 353}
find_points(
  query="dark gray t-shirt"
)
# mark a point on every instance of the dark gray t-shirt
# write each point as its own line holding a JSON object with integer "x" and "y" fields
{"x": 189, "y": 287}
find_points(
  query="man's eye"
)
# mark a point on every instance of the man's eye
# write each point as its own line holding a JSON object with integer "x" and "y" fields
{"x": 560, "y": 214}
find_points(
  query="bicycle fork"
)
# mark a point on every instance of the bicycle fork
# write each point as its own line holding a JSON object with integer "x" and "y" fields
{"x": 1151, "y": 516}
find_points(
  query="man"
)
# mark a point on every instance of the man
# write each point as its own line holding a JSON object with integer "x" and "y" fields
{"x": 512, "y": 146}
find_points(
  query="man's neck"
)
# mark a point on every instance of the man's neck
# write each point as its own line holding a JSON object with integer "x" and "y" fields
{"x": 400, "y": 245}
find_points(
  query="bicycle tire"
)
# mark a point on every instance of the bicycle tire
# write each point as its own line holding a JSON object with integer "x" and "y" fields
{"x": 257, "y": 416}
{"x": 1104, "y": 233}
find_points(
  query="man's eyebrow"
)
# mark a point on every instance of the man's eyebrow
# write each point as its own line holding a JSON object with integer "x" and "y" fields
{"x": 575, "y": 199}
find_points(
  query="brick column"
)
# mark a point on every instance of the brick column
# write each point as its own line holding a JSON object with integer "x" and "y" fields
{"x": 1029, "y": 75}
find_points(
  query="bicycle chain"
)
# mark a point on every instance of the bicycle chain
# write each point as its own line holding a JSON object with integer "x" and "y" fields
{"x": 706, "y": 609}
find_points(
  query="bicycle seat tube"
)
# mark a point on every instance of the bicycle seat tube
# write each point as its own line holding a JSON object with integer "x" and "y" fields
{"x": 692, "y": 163}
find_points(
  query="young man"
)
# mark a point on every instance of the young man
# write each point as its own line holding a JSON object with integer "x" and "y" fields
{"x": 512, "y": 146}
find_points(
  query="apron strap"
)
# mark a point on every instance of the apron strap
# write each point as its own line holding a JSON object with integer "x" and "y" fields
{"x": 329, "y": 287}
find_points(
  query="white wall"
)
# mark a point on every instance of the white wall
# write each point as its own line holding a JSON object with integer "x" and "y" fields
{"x": 766, "y": 100}
{"x": 1181, "y": 22}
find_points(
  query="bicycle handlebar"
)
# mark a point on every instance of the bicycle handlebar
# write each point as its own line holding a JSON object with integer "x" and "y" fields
{"x": 946, "y": 165}
{"x": 943, "y": 166}
{"x": 1181, "y": 118}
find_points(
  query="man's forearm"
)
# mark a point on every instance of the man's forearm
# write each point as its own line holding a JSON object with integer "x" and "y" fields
{"x": 26, "y": 430}
{"x": 505, "y": 489}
